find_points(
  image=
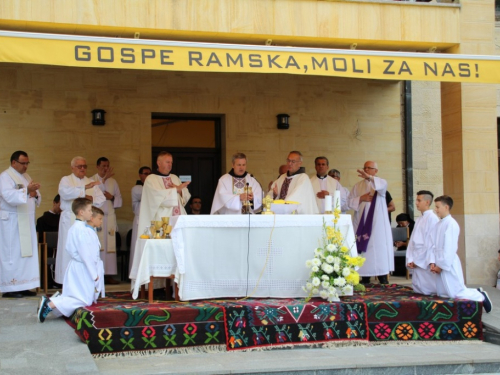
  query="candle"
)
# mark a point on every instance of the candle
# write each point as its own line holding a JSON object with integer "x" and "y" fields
{"x": 336, "y": 199}
{"x": 328, "y": 203}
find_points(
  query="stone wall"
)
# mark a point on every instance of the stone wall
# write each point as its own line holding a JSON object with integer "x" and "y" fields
{"x": 46, "y": 112}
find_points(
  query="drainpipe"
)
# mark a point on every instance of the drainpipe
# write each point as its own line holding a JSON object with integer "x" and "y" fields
{"x": 408, "y": 160}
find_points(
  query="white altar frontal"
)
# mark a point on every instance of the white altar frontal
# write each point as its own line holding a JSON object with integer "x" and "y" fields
{"x": 248, "y": 255}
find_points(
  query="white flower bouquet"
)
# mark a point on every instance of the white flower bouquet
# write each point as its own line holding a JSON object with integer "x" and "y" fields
{"x": 333, "y": 270}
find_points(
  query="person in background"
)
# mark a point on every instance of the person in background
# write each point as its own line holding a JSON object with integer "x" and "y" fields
{"x": 49, "y": 221}
{"x": 404, "y": 221}
{"x": 195, "y": 205}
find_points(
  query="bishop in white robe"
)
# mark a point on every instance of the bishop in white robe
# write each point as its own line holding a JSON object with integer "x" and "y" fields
{"x": 379, "y": 251}
{"x": 144, "y": 172}
{"x": 19, "y": 196}
{"x": 76, "y": 185}
{"x": 230, "y": 194}
{"x": 418, "y": 251}
{"x": 450, "y": 280}
{"x": 107, "y": 234}
{"x": 296, "y": 186}
{"x": 163, "y": 194}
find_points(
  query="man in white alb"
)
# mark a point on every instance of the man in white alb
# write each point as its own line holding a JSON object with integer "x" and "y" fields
{"x": 230, "y": 195}
{"x": 76, "y": 185}
{"x": 372, "y": 228}
{"x": 323, "y": 184}
{"x": 163, "y": 194}
{"x": 107, "y": 234}
{"x": 144, "y": 172}
{"x": 295, "y": 185}
{"x": 19, "y": 196}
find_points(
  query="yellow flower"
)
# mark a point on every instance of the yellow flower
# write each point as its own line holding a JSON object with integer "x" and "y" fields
{"x": 352, "y": 278}
{"x": 344, "y": 249}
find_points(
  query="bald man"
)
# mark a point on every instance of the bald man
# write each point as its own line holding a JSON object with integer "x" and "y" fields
{"x": 372, "y": 228}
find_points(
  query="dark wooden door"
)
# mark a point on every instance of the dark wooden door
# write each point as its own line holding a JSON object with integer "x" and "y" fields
{"x": 203, "y": 165}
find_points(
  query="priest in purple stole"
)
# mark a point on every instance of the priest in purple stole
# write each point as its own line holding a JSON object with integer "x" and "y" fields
{"x": 371, "y": 225}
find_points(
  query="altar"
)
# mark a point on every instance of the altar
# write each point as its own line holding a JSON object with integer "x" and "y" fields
{"x": 248, "y": 255}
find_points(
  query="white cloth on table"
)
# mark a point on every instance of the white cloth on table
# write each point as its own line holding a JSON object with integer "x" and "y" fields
{"x": 379, "y": 254}
{"x": 224, "y": 255}
{"x": 227, "y": 197}
{"x": 152, "y": 258}
{"x": 328, "y": 184}
{"x": 418, "y": 250}
{"x": 70, "y": 188}
{"x": 450, "y": 282}
{"x": 300, "y": 190}
{"x": 80, "y": 287}
{"x": 17, "y": 273}
{"x": 136, "y": 231}
{"x": 107, "y": 236}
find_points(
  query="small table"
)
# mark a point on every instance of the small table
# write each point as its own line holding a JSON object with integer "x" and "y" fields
{"x": 153, "y": 258}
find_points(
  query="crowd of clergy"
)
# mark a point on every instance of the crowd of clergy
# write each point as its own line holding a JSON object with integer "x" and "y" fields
{"x": 162, "y": 194}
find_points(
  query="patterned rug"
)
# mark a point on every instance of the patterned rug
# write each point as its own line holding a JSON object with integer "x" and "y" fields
{"x": 396, "y": 313}
{"x": 118, "y": 325}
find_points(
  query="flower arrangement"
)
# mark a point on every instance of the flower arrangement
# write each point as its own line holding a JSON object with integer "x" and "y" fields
{"x": 333, "y": 269}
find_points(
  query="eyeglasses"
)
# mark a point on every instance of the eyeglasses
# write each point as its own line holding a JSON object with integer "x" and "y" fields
{"x": 25, "y": 163}
{"x": 369, "y": 168}
{"x": 82, "y": 166}
{"x": 146, "y": 173}
{"x": 196, "y": 202}
{"x": 292, "y": 161}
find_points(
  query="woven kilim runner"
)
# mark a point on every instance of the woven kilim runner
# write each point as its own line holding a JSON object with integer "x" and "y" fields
{"x": 396, "y": 313}
{"x": 119, "y": 325}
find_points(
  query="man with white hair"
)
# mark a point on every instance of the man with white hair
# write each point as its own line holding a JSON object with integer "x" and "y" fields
{"x": 295, "y": 185}
{"x": 76, "y": 185}
{"x": 373, "y": 231}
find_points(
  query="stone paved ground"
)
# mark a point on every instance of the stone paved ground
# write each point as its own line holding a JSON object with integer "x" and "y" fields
{"x": 28, "y": 347}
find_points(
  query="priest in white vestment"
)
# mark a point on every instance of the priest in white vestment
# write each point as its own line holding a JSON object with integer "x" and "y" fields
{"x": 323, "y": 184}
{"x": 375, "y": 241}
{"x": 419, "y": 246}
{"x": 231, "y": 194}
{"x": 163, "y": 194}
{"x": 296, "y": 186}
{"x": 76, "y": 185}
{"x": 344, "y": 192}
{"x": 144, "y": 172}
{"x": 444, "y": 260}
{"x": 107, "y": 234}
{"x": 19, "y": 196}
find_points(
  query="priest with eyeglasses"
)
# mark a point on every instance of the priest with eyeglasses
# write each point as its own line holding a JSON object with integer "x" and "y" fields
{"x": 76, "y": 185}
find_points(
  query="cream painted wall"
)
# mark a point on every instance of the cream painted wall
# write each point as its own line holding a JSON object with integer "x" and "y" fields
{"x": 46, "y": 112}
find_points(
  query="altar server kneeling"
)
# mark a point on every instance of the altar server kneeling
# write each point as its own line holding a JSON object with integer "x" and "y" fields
{"x": 444, "y": 261}
{"x": 84, "y": 277}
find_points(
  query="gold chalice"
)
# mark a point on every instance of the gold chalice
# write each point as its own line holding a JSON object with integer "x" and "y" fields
{"x": 166, "y": 228}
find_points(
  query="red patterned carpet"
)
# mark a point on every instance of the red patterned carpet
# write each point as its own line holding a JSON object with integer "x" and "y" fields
{"x": 118, "y": 325}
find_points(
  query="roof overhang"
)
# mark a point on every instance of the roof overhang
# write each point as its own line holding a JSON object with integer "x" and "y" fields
{"x": 117, "y": 53}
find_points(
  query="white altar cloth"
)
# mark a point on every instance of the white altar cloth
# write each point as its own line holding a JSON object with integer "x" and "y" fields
{"x": 151, "y": 258}
{"x": 229, "y": 255}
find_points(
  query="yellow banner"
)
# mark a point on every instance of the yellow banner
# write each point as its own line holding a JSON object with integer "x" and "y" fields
{"x": 95, "y": 52}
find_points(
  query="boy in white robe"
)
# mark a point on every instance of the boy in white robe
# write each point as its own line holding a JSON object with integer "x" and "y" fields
{"x": 444, "y": 260}
{"x": 83, "y": 280}
{"x": 417, "y": 253}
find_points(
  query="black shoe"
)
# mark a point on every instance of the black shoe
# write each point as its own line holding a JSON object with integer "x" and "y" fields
{"x": 487, "y": 305}
{"x": 28, "y": 293}
{"x": 12, "y": 295}
{"x": 365, "y": 280}
{"x": 383, "y": 279}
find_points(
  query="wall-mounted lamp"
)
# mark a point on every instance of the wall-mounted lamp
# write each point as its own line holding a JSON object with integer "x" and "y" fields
{"x": 283, "y": 121}
{"x": 98, "y": 117}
